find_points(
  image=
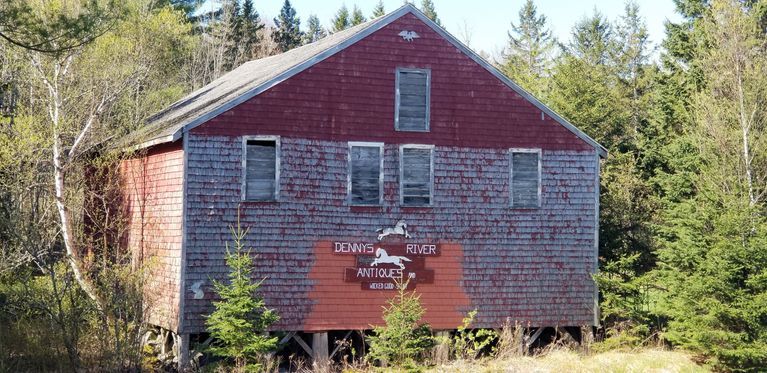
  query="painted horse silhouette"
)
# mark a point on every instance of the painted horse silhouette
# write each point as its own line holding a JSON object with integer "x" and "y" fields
{"x": 382, "y": 257}
{"x": 400, "y": 228}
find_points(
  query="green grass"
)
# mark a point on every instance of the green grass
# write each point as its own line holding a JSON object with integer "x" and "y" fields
{"x": 648, "y": 360}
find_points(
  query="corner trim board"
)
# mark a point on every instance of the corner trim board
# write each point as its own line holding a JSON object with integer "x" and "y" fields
{"x": 184, "y": 232}
{"x": 597, "y": 169}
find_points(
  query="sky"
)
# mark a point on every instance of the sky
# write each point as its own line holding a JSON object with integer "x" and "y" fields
{"x": 487, "y": 22}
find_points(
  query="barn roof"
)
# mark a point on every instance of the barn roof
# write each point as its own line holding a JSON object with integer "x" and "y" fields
{"x": 255, "y": 77}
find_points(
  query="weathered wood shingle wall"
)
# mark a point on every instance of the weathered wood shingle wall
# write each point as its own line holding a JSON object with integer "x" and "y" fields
{"x": 153, "y": 192}
{"x": 531, "y": 265}
{"x": 527, "y": 264}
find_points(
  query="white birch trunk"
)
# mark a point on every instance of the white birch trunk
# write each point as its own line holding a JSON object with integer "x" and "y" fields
{"x": 60, "y": 68}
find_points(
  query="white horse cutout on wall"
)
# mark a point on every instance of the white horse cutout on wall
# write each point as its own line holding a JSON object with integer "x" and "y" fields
{"x": 382, "y": 257}
{"x": 400, "y": 228}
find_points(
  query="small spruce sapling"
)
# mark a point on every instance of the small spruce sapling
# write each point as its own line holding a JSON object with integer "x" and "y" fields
{"x": 239, "y": 323}
{"x": 402, "y": 339}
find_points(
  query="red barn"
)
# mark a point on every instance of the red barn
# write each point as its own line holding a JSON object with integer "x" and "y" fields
{"x": 389, "y": 149}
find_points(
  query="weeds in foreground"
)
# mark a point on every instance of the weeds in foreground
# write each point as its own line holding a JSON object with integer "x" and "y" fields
{"x": 467, "y": 343}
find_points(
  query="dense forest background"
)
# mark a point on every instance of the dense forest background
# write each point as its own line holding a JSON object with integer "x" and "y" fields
{"x": 682, "y": 249}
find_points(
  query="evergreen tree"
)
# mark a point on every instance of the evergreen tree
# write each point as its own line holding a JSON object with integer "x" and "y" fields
{"x": 357, "y": 16}
{"x": 315, "y": 31}
{"x": 402, "y": 338}
{"x": 379, "y": 10}
{"x": 251, "y": 27}
{"x": 232, "y": 27}
{"x": 587, "y": 88}
{"x": 583, "y": 84}
{"x": 631, "y": 60}
{"x": 592, "y": 40}
{"x": 427, "y": 7}
{"x": 189, "y": 7}
{"x": 341, "y": 21}
{"x": 528, "y": 52}
{"x": 288, "y": 33}
{"x": 712, "y": 256}
{"x": 240, "y": 317}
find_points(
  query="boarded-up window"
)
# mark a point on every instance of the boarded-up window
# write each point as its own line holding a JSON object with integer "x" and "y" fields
{"x": 365, "y": 173}
{"x": 260, "y": 170}
{"x": 412, "y": 100}
{"x": 416, "y": 178}
{"x": 525, "y": 178}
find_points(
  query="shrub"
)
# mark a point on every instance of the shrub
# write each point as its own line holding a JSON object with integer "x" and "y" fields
{"x": 401, "y": 340}
{"x": 469, "y": 343}
{"x": 241, "y": 317}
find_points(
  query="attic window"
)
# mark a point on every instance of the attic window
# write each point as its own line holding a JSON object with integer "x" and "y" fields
{"x": 412, "y": 99}
{"x": 260, "y": 168}
{"x": 365, "y": 173}
{"x": 525, "y": 178}
{"x": 416, "y": 184}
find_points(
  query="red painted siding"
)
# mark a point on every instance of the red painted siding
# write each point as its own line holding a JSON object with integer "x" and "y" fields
{"x": 153, "y": 195}
{"x": 343, "y": 305}
{"x": 350, "y": 96}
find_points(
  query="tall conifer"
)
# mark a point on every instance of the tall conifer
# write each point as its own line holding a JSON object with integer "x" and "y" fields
{"x": 357, "y": 16}
{"x": 528, "y": 54}
{"x": 314, "y": 30}
{"x": 379, "y": 10}
{"x": 288, "y": 33}
{"x": 233, "y": 38}
{"x": 251, "y": 27}
{"x": 427, "y": 7}
{"x": 341, "y": 20}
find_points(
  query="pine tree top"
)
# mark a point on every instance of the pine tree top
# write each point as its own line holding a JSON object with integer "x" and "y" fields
{"x": 427, "y": 7}
{"x": 341, "y": 20}
{"x": 357, "y": 17}
{"x": 379, "y": 10}
{"x": 288, "y": 34}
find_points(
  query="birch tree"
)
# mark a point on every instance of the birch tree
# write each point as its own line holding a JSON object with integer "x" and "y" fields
{"x": 732, "y": 110}
{"x": 711, "y": 255}
{"x": 79, "y": 90}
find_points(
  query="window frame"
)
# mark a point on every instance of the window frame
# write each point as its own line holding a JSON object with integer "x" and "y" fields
{"x": 397, "y": 71}
{"x": 402, "y": 174}
{"x": 244, "y": 175}
{"x": 380, "y": 147}
{"x": 511, "y": 176}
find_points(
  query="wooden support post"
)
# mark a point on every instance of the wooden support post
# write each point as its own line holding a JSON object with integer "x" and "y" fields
{"x": 587, "y": 338}
{"x": 183, "y": 352}
{"x": 285, "y": 339}
{"x": 340, "y": 343}
{"x": 534, "y": 337}
{"x": 441, "y": 351}
{"x": 521, "y": 338}
{"x": 303, "y": 345}
{"x": 320, "y": 350}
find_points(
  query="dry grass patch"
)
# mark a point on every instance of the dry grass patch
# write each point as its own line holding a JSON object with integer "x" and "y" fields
{"x": 649, "y": 360}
